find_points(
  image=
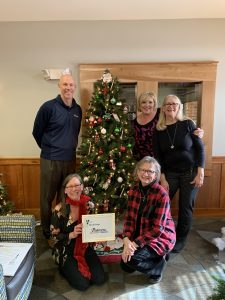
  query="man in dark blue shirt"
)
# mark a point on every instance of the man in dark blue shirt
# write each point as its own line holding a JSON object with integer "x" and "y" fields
{"x": 56, "y": 129}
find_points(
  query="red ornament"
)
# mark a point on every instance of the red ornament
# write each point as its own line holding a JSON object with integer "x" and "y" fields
{"x": 96, "y": 137}
{"x": 106, "y": 205}
{"x": 122, "y": 148}
{"x": 106, "y": 249}
{"x": 90, "y": 163}
{"x": 99, "y": 120}
{"x": 100, "y": 151}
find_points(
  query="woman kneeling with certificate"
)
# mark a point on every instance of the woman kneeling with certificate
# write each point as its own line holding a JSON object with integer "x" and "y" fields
{"x": 149, "y": 231}
{"x": 78, "y": 262}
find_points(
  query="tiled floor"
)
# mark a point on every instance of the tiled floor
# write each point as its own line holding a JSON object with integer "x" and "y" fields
{"x": 188, "y": 274}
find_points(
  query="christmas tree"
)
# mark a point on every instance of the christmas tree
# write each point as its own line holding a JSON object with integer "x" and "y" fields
{"x": 107, "y": 162}
{"x": 6, "y": 206}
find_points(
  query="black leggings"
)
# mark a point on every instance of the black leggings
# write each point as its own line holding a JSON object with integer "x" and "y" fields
{"x": 187, "y": 196}
{"x": 70, "y": 271}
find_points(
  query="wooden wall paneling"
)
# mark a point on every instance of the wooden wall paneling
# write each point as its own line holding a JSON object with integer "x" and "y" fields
{"x": 222, "y": 187}
{"x": 169, "y": 71}
{"x": 86, "y": 95}
{"x": 31, "y": 183}
{"x": 216, "y": 187}
{"x": 204, "y": 196}
{"x": 209, "y": 194}
{"x": 147, "y": 86}
{"x": 22, "y": 179}
{"x": 207, "y": 118}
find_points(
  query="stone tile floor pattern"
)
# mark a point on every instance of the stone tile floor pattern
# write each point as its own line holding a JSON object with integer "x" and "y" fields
{"x": 188, "y": 275}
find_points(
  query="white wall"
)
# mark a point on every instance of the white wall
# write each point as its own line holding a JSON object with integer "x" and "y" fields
{"x": 28, "y": 47}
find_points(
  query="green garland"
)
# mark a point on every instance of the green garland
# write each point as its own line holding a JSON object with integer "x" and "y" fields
{"x": 219, "y": 290}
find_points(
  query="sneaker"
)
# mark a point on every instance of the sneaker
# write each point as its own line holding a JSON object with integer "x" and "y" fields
{"x": 178, "y": 247}
{"x": 155, "y": 279}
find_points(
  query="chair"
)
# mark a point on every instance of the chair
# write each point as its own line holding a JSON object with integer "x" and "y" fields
{"x": 18, "y": 229}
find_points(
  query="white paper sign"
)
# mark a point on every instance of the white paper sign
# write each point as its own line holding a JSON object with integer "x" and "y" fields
{"x": 98, "y": 227}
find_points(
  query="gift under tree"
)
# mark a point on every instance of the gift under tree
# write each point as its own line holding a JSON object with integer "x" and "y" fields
{"x": 106, "y": 150}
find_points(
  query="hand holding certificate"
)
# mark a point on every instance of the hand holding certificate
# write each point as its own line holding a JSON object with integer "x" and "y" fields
{"x": 98, "y": 227}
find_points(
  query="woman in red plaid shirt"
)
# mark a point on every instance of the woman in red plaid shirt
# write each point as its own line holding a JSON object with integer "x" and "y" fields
{"x": 149, "y": 230}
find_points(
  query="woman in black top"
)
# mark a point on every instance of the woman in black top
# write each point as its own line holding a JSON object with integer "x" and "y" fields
{"x": 181, "y": 155}
{"x": 78, "y": 262}
{"x": 144, "y": 125}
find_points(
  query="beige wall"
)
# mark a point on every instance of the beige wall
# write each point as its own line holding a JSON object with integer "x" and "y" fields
{"x": 28, "y": 47}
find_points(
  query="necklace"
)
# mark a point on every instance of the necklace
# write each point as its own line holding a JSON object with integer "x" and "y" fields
{"x": 174, "y": 135}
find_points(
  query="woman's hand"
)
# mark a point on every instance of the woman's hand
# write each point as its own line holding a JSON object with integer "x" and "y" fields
{"x": 54, "y": 231}
{"x": 164, "y": 182}
{"x": 199, "y": 178}
{"x": 199, "y": 132}
{"x": 76, "y": 231}
{"x": 128, "y": 249}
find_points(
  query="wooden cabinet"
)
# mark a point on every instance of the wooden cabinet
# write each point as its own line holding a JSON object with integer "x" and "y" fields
{"x": 148, "y": 76}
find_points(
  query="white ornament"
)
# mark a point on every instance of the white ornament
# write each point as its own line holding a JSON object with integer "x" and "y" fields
{"x": 103, "y": 131}
{"x": 87, "y": 190}
{"x": 120, "y": 179}
{"x": 91, "y": 119}
{"x": 107, "y": 77}
{"x": 106, "y": 184}
{"x": 86, "y": 178}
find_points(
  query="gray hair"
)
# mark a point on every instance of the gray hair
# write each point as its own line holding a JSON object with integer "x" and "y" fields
{"x": 149, "y": 160}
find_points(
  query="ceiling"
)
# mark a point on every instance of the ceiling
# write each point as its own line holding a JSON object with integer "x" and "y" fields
{"x": 58, "y": 10}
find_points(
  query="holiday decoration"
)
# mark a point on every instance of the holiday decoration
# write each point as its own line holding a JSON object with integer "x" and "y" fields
{"x": 113, "y": 100}
{"x": 6, "y": 206}
{"x": 107, "y": 162}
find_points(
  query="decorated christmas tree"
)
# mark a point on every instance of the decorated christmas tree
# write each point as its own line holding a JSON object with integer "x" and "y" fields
{"x": 6, "y": 206}
{"x": 107, "y": 162}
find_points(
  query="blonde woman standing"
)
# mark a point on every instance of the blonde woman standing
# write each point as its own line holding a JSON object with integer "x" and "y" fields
{"x": 144, "y": 125}
{"x": 182, "y": 158}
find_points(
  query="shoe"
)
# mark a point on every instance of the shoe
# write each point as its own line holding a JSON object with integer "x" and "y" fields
{"x": 178, "y": 247}
{"x": 155, "y": 279}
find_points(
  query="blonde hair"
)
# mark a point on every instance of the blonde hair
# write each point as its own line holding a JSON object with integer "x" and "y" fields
{"x": 145, "y": 96}
{"x": 161, "y": 125}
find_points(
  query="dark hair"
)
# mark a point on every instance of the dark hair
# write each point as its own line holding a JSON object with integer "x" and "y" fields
{"x": 64, "y": 184}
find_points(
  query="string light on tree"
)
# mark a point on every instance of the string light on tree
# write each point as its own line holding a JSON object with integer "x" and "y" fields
{"x": 106, "y": 148}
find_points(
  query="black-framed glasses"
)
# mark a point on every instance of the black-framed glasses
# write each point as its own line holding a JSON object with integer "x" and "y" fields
{"x": 147, "y": 171}
{"x": 171, "y": 104}
{"x": 70, "y": 187}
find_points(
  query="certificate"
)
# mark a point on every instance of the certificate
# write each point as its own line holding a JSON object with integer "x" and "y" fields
{"x": 98, "y": 227}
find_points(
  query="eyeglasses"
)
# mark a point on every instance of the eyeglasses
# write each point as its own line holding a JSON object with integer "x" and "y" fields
{"x": 70, "y": 187}
{"x": 147, "y": 171}
{"x": 172, "y": 104}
